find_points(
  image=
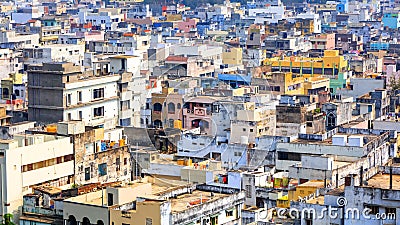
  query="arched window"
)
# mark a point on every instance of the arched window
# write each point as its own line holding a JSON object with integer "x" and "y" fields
{"x": 157, "y": 123}
{"x": 171, "y": 107}
{"x": 157, "y": 107}
{"x": 85, "y": 221}
{"x": 71, "y": 220}
{"x": 100, "y": 222}
{"x": 17, "y": 92}
{"x": 178, "y": 106}
{"x": 331, "y": 120}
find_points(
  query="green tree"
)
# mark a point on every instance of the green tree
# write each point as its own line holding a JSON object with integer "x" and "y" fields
{"x": 7, "y": 219}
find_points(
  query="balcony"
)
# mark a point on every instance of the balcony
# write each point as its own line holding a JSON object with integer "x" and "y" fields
{"x": 200, "y": 111}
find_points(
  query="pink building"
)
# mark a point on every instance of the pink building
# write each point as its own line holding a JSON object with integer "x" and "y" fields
{"x": 188, "y": 25}
{"x": 197, "y": 113}
{"x": 323, "y": 41}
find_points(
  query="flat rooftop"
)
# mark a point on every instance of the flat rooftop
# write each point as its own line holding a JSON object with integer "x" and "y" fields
{"x": 328, "y": 141}
{"x": 312, "y": 183}
{"x": 382, "y": 181}
{"x": 185, "y": 201}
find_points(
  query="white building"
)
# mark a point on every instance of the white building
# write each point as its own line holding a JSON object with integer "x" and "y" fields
{"x": 11, "y": 39}
{"x": 107, "y": 18}
{"x": 54, "y": 53}
{"x": 29, "y": 160}
{"x": 8, "y": 63}
{"x": 79, "y": 96}
{"x": 132, "y": 88}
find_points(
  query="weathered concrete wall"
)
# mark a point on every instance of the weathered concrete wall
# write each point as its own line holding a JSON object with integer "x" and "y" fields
{"x": 207, "y": 209}
{"x": 139, "y": 136}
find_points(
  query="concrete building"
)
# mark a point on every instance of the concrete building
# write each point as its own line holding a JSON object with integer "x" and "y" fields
{"x": 252, "y": 122}
{"x": 339, "y": 144}
{"x": 34, "y": 159}
{"x": 61, "y": 92}
{"x": 131, "y": 86}
{"x": 191, "y": 205}
{"x": 106, "y": 18}
{"x": 94, "y": 207}
{"x": 9, "y": 63}
{"x": 100, "y": 156}
{"x": 379, "y": 97}
{"x": 54, "y": 53}
{"x": 323, "y": 42}
{"x": 337, "y": 112}
{"x": 12, "y": 39}
{"x": 359, "y": 87}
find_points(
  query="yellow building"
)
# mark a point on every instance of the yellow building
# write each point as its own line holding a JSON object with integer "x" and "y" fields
{"x": 5, "y": 7}
{"x": 303, "y": 191}
{"x": 174, "y": 17}
{"x": 306, "y": 26}
{"x": 295, "y": 84}
{"x": 330, "y": 64}
{"x": 232, "y": 56}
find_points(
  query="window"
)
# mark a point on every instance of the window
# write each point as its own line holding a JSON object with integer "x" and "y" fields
{"x": 178, "y": 106}
{"x": 79, "y": 96}
{"x": 87, "y": 173}
{"x": 228, "y": 213}
{"x": 68, "y": 99}
{"x": 117, "y": 163}
{"x": 149, "y": 221}
{"x": 97, "y": 112}
{"x": 80, "y": 115}
{"x": 331, "y": 120}
{"x": 98, "y": 93}
{"x": 110, "y": 199}
{"x": 69, "y": 116}
{"x": 6, "y": 93}
{"x": 171, "y": 107}
{"x": 374, "y": 209}
{"x": 125, "y": 161}
{"x": 157, "y": 107}
{"x": 390, "y": 211}
{"x": 251, "y": 130}
{"x": 214, "y": 220}
{"x": 102, "y": 169}
{"x": 244, "y": 129}
{"x": 17, "y": 92}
